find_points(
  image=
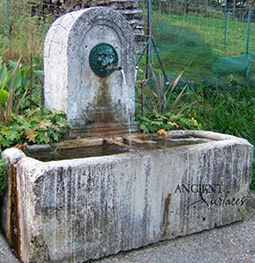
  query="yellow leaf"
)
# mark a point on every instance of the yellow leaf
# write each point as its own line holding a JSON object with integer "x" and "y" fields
{"x": 173, "y": 124}
{"x": 194, "y": 121}
{"x": 162, "y": 132}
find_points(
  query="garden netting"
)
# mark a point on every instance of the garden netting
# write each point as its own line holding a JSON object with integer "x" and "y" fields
{"x": 179, "y": 46}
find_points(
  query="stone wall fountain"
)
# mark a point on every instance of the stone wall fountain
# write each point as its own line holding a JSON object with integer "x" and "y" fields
{"x": 78, "y": 49}
{"x": 148, "y": 189}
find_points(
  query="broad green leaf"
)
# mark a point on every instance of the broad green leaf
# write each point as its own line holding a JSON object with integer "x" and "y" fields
{"x": 5, "y": 143}
{"x": 21, "y": 119}
{"x": 62, "y": 122}
{"x": 25, "y": 72}
{"x": 40, "y": 73}
{"x": 16, "y": 127}
{"x": 143, "y": 128}
{"x": 3, "y": 75}
{"x": 145, "y": 119}
{"x": 12, "y": 136}
{"x": 16, "y": 81}
{"x": 3, "y": 97}
{"x": 53, "y": 134}
{"x": 43, "y": 138}
{"x": 24, "y": 82}
{"x": 13, "y": 64}
{"x": 5, "y": 131}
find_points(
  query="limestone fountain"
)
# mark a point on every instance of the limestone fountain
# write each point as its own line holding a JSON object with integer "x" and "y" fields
{"x": 83, "y": 208}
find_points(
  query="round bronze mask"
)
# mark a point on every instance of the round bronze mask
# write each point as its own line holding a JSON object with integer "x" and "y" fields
{"x": 102, "y": 56}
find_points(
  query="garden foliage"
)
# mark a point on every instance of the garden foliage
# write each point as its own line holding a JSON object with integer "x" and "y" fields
{"x": 32, "y": 128}
{"x": 19, "y": 123}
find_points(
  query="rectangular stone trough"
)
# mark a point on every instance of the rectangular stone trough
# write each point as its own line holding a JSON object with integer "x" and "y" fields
{"x": 86, "y": 208}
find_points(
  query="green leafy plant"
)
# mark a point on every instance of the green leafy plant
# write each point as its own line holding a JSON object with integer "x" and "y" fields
{"x": 169, "y": 121}
{"x": 11, "y": 83}
{"x": 32, "y": 128}
{"x": 158, "y": 99}
{"x": 163, "y": 109}
{"x": 38, "y": 125}
{"x": 230, "y": 112}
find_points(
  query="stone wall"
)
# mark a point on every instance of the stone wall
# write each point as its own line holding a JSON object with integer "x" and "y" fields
{"x": 128, "y": 8}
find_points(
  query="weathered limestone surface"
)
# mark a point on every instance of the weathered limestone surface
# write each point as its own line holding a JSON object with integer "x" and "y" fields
{"x": 12, "y": 155}
{"x": 74, "y": 210}
{"x": 70, "y": 83}
{"x": 6, "y": 255}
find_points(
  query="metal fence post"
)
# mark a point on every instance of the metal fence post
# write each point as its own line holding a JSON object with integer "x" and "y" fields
{"x": 226, "y": 9}
{"x": 248, "y": 30}
{"x": 7, "y": 18}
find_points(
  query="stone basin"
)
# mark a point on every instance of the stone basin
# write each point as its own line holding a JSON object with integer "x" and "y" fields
{"x": 109, "y": 145}
{"x": 86, "y": 208}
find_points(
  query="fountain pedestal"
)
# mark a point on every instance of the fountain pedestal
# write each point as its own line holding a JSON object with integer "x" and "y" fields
{"x": 101, "y": 103}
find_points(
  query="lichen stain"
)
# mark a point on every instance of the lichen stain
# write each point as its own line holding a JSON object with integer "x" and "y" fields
{"x": 41, "y": 250}
{"x": 103, "y": 109}
{"x": 165, "y": 222}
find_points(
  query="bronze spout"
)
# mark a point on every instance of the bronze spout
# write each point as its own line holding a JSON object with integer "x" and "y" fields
{"x": 113, "y": 68}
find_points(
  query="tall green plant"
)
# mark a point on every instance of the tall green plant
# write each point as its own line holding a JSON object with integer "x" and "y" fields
{"x": 163, "y": 106}
{"x": 11, "y": 84}
{"x": 157, "y": 99}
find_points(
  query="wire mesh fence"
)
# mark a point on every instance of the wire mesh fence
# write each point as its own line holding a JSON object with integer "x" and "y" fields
{"x": 216, "y": 18}
{"x": 202, "y": 33}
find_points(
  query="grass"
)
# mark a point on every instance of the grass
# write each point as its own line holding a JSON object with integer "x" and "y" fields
{"x": 26, "y": 35}
{"x": 212, "y": 30}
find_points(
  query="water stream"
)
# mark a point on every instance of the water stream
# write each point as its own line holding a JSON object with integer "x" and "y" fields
{"x": 127, "y": 101}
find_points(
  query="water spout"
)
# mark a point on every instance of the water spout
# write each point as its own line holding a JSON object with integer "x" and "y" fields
{"x": 113, "y": 68}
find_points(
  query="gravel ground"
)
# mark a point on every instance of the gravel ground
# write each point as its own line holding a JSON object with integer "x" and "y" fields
{"x": 234, "y": 243}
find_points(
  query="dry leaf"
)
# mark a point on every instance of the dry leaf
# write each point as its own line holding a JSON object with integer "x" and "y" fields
{"x": 173, "y": 124}
{"x": 162, "y": 132}
{"x": 31, "y": 135}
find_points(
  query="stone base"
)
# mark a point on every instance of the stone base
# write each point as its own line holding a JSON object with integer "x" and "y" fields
{"x": 81, "y": 209}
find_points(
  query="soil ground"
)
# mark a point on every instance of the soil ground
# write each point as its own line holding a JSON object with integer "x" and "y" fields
{"x": 234, "y": 243}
